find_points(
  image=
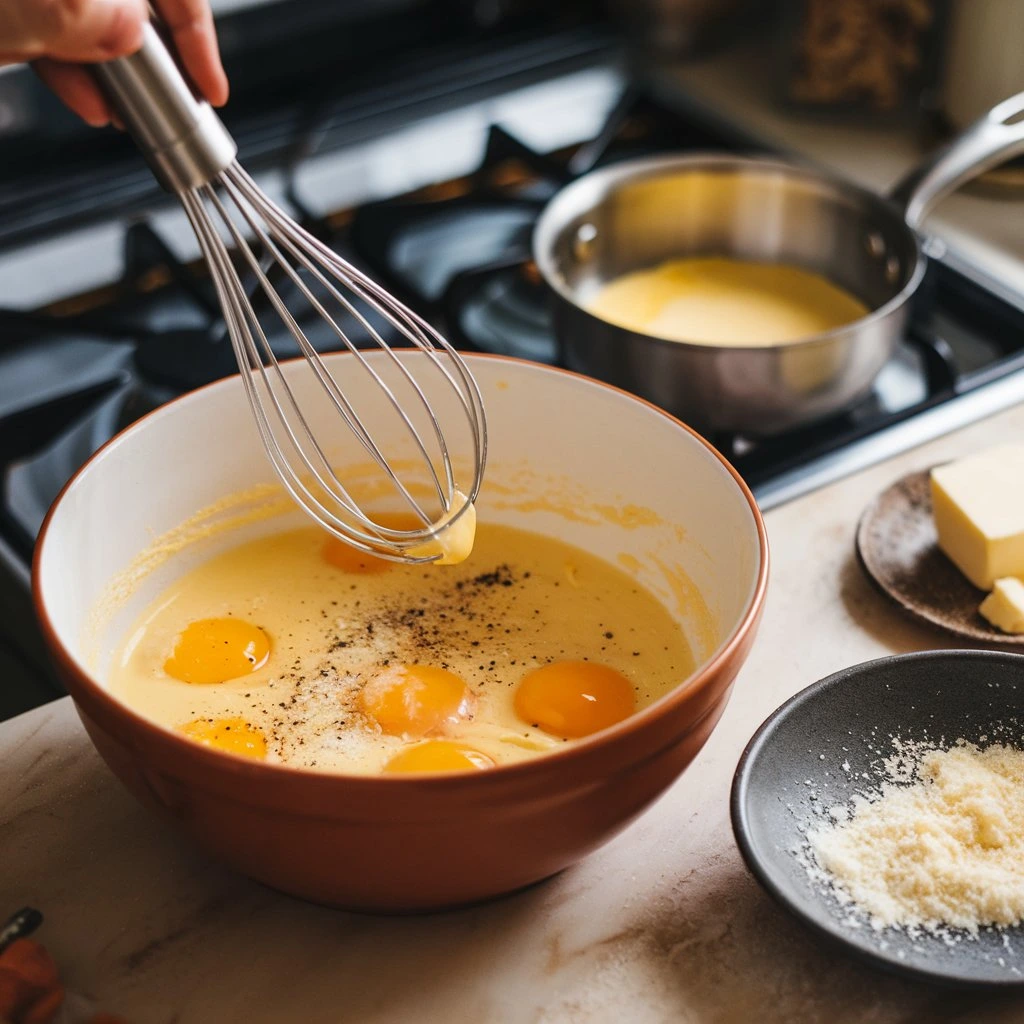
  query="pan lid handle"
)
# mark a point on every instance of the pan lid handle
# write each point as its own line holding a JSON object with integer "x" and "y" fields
{"x": 995, "y": 137}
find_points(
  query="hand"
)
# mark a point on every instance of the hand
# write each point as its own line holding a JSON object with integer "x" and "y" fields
{"x": 31, "y": 991}
{"x": 58, "y": 36}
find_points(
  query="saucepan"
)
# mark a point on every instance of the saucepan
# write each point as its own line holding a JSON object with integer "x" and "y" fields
{"x": 638, "y": 213}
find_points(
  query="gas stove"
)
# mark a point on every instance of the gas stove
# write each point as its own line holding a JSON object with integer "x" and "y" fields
{"x": 432, "y": 184}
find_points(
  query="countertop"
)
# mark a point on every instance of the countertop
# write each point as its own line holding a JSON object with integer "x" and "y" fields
{"x": 663, "y": 924}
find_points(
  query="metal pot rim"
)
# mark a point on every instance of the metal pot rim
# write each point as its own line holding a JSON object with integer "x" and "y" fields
{"x": 606, "y": 179}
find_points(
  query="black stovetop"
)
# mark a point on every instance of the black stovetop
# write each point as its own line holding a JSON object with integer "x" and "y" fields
{"x": 459, "y": 251}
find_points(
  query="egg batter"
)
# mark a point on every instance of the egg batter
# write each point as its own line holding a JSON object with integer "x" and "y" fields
{"x": 726, "y": 302}
{"x": 301, "y": 650}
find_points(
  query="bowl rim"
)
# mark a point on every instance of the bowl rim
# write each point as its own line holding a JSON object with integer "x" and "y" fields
{"x": 760, "y": 867}
{"x": 683, "y": 692}
{"x": 605, "y": 181}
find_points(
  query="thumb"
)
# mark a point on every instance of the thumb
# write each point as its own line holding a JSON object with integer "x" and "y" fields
{"x": 70, "y": 30}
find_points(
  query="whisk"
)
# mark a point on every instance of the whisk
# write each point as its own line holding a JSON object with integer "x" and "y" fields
{"x": 192, "y": 155}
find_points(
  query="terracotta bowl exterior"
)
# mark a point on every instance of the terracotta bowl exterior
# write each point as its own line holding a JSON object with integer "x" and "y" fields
{"x": 421, "y": 842}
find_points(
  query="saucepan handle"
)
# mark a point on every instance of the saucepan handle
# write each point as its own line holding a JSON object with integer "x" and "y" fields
{"x": 992, "y": 139}
{"x": 182, "y": 139}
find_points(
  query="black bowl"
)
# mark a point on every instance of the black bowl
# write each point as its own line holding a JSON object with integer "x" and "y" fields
{"x": 827, "y": 743}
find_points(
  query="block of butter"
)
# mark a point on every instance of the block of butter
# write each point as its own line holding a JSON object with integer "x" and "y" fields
{"x": 1004, "y": 607}
{"x": 979, "y": 513}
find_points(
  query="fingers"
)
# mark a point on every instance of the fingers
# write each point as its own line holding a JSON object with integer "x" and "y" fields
{"x": 57, "y": 34}
{"x": 76, "y": 89}
{"x": 72, "y": 30}
{"x": 191, "y": 25}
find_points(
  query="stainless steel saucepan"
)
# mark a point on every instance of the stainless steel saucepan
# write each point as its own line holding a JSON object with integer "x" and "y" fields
{"x": 639, "y": 213}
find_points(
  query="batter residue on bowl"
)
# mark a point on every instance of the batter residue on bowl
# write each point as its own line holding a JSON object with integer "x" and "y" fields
{"x": 297, "y": 649}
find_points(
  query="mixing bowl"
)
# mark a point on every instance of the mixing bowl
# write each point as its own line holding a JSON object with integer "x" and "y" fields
{"x": 570, "y": 458}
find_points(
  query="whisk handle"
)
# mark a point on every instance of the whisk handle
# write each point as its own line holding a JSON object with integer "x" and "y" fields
{"x": 182, "y": 139}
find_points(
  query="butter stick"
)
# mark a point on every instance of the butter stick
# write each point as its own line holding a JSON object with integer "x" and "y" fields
{"x": 979, "y": 513}
{"x": 1004, "y": 607}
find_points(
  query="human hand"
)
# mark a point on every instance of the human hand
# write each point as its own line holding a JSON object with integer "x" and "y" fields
{"x": 31, "y": 991}
{"x": 58, "y": 36}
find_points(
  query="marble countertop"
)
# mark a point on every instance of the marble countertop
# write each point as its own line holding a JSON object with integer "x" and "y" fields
{"x": 663, "y": 924}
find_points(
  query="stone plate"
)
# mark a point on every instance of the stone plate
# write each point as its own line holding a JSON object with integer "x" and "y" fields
{"x": 898, "y": 548}
{"x": 827, "y": 744}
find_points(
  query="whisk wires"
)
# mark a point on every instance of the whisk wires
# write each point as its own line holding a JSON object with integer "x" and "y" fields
{"x": 223, "y": 214}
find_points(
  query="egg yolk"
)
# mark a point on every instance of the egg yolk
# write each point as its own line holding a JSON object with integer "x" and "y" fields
{"x": 413, "y": 700}
{"x": 438, "y": 756}
{"x": 215, "y": 650}
{"x": 349, "y": 559}
{"x": 233, "y": 735}
{"x": 452, "y": 544}
{"x": 574, "y": 698}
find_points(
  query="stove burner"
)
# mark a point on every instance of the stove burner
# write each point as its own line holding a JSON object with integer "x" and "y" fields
{"x": 116, "y": 367}
{"x": 188, "y": 358}
{"x": 503, "y": 309}
{"x": 45, "y": 421}
{"x": 437, "y": 244}
{"x": 32, "y": 483}
{"x": 185, "y": 359}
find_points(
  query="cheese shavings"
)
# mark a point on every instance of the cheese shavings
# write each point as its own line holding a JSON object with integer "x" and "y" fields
{"x": 939, "y": 845}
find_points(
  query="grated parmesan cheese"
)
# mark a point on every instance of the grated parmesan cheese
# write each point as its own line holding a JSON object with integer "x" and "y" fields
{"x": 939, "y": 845}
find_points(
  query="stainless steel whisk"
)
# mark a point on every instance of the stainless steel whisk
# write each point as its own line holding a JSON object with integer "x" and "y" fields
{"x": 192, "y": 155}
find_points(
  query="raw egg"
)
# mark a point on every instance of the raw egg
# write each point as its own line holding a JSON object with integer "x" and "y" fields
{"x": 378, "y": 667}
{"x": 233, "y": 735}
{"x": 216, "y": 650}
{"x": 574, "y": 698}
{"x": 452, "y": 544}
{"x": 349, "y": 559}
{"x": 438, "y": 756}
{"x": 413, "y": 700}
